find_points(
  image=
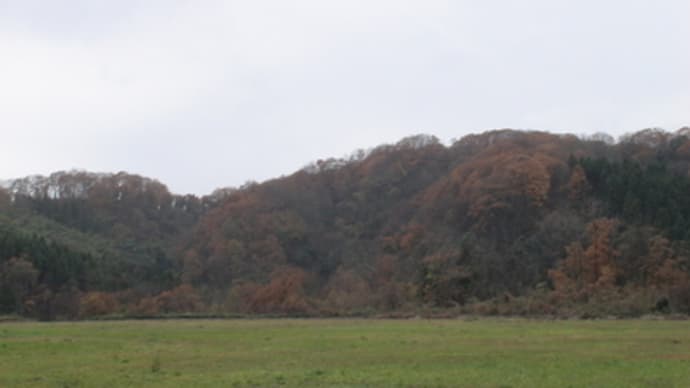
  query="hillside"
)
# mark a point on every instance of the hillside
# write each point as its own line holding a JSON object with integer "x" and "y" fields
{"x": 503, "y": 222}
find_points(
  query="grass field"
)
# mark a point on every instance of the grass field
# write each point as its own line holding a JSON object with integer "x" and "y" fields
{"x": 345, "y": 353}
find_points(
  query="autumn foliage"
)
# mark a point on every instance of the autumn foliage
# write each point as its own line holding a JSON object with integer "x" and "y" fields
{"x": 503, "y": 222}
{"x": 585, "y": 271}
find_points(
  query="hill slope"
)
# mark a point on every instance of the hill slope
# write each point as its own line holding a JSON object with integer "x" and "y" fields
{"x": 504, "y": 221}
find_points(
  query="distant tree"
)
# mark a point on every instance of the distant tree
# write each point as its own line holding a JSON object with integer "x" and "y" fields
{"x": 19, "y": 277}
{"x": 445, "y": 281}
{"x": 285, "y": 293}
{"x": 661, "y": 267}
{"x": 577, "y": 184}
{"x": 192, "y": 267}
{"x": 181, "y": 299}
{"x": 347, "y": 292}
{"x": 586, "y": 271}
{"x": 5, "y": 199}
{"x": 97, "y": 303}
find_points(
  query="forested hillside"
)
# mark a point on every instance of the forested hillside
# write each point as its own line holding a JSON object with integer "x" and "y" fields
{"x": 503, "y": 222}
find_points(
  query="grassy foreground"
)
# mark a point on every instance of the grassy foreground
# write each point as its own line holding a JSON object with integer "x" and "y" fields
{"x": 345, "y": 353}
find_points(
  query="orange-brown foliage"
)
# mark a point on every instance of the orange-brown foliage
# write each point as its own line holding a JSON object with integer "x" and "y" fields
{"x": 284, "y": 294}
{"x": 97, "y": 303}
{"x": 588, "y": 271}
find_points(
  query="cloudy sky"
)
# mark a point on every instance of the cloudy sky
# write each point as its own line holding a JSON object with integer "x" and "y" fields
{"x": 202, "y": 94}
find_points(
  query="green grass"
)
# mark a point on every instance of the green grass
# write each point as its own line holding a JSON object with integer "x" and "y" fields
{"x": 346, "y": 353}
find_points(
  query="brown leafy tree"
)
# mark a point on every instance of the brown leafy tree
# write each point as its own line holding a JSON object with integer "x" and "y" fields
{"x": 285, "y": 293}
{"x": 662, "y": 268}
{"x": 97, "y": 303}
{"x": 585, "y": 272}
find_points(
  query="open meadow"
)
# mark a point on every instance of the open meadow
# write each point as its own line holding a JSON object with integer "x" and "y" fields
{"x": 345, "y": 353}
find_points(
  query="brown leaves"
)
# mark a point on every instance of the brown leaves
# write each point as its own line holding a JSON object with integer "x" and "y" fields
{"x": 283, "y": 294}
{"x": 94, "y": 304}
{"x": 587, "y": 271}
{"x": 514, "y": 170}
{"x": 181, "y": 299}
{"x": 661, "y": 267}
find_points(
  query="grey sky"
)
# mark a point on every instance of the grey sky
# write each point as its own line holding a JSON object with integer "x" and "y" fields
{"x": 202, "y": 94}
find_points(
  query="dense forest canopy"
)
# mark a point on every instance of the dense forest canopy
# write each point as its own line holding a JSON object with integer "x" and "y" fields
{"x": 503, "y": 222}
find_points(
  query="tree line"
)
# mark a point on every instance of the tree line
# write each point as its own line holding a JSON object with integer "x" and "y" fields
{"x": 503, "y": 222}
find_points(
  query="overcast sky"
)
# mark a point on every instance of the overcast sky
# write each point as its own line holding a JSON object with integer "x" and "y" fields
{"x": 203, "y": 94}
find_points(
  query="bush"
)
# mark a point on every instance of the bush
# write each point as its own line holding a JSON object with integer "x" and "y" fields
{"x": 94, "y": 304}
